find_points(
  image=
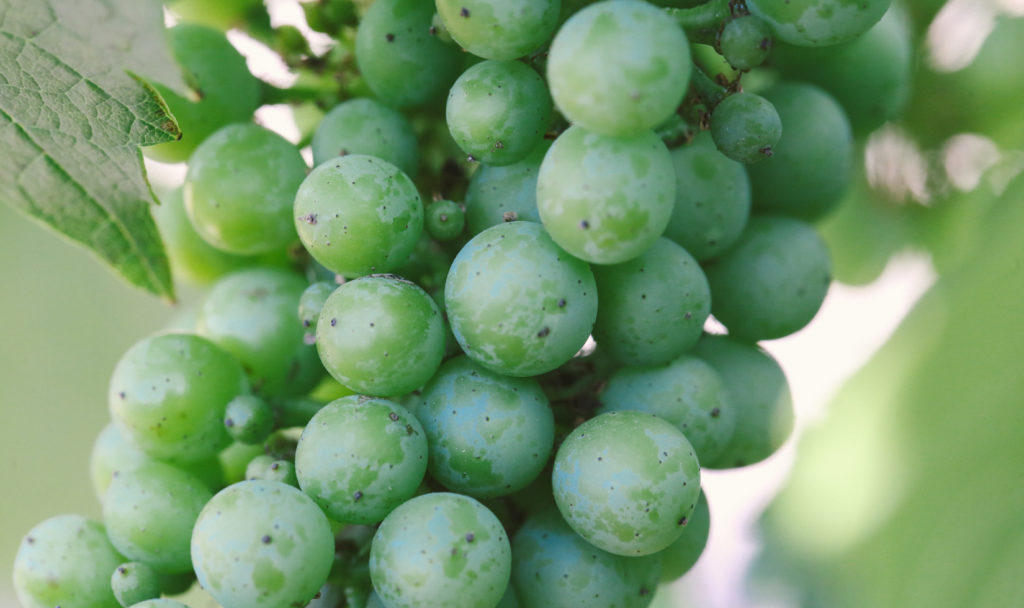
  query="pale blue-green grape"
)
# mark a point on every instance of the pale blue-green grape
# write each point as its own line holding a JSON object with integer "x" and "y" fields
{"x": 819, "y": 22}
{"x": 445, "y": 220}
{"x": 400, "y": 58}
{"x": 712, "y": 199}
{"x": 758, "y": 390}
{"x": 745, "y": 42}
{"x": 440, "y": 549}
{"x": 746, "y": 127}
{"x": 149, "y": 513}
{"x": 66, "y": 561}
{"x": 626, "y": 482}
{"x": 619, "y": 67}
{"x": 168, "y": 394}
{"x": 652, "y": 308}
{"x": 262, "y": 544}
{"x": 499, "y": 29}
{"x": 606, "y": 199}
{"x": 134, "y": 582}
{"x": 359, "y": 458}
{"x": 258, "y": 466}
{"x": 239, "y": 189}
{"x": 517, "y": 303}
{"x": 812, "y": 165}
{"x": 489, "y": 435}
{"x": 249, "y": 419}
{"x": 159, "y": 603}
{"x": 358, "y": 214}
{"x": 553, "y": 567}
{"x": 687, "y": 392}
{"x": 498, "y": 111}
{"x": 251, "y": 314}
{"x": 366, "y": 126}
{"x": 504, "y": 194}
{"x": 772, "y": 282}
{"x": 680, "y": 556}
{"x": 311, "y": 302}
{"x": 381, "y": 335}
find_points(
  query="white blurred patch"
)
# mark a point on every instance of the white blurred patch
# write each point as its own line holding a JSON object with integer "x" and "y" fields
{"x": 967, "y": 157}
{"x": 279, "y": 119}
{"x": 289, "y": 12}
{"x": 958, "y": 32}
{"x": 264, "y": 63}
{"x": 895, "y": 165}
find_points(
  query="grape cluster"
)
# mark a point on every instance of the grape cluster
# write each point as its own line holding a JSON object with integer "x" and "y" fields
{"x": 466, "y": 366}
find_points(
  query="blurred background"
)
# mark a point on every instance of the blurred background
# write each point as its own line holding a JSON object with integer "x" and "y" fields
{"x": 904, "y": 483}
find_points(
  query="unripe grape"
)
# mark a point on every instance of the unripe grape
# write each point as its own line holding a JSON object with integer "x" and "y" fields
{"x": 445, "y": 220}
{"x": 134, "y": 582}
{"x": 497, "y": 195}
{"x": 499, "y": 29}
{"x": 249, "y": 419}
{"x": 366, "y": 126}
{"x": 678, "y": 558}
{"x": 818, "y": 22}
{"x": 746, "y": 127}
{"x": 745, "y": 42}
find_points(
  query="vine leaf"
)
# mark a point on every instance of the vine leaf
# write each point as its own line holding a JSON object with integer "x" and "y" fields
{"x": 74, "y": 109}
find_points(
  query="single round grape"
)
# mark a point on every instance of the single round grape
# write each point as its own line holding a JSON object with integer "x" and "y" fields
{"x": 440, "y": 549}
{"x": 619, "y": 67}
{"x": 498, "y": 111}
{"x": 445, "y": 220}
{"x": 381, "y": 335}
{"x": 517, "y": 304}
{"x": 745, "y": 42}
{"x": 626, "y": 482}
{"x": 251, "y": 314}
{"x": 504, "y": 194}
{"x": 652, "y": 308}
{"x": 249, "y": 419}
{"x": 553, "y": 567}
{"x": 366, "y": 126}
{"x": 399, "y": 56}
{"x": 605, "y": 199}
{"x": 168, "y": 394}
{"x": 687, "y": 392}
{"x": 359, "y": 458}
{"x": 758, "y": 390}
{"x": 819, "y": 22}
{"x": 812, "y": 165}
{"x": 239, "y": 189}
{"x": 489, "y": 435}
{"x": 134, "y": 582}
{"x": 772, "y": 282}
{"x": 746, "y": 127}
{"x": 311, "y": 302}
{"x": 499, "y": 29}
{"x": 265, "y": 467}
{"x": 680, "y": 556}
{"x": 358, "y": 214}
{"x": 262, "y": 544}
{"x": 66, "y": 560}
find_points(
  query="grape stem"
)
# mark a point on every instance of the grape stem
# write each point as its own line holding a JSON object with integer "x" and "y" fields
{"x": 702, "y": 22}
{"x": 709, "y": 91}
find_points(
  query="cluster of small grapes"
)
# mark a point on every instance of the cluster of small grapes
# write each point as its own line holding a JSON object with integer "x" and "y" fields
{"x": 467, "y": 447}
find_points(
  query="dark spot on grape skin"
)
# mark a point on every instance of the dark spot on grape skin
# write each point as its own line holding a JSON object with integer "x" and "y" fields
{"x": 464, "y": 13}
{"x": 357, "y": 496}
{"x": 767, "y": 151}
{"x": 544, "y": 332}
{"x": 393, "y": 416}
{"x": 389, "y": 37}
{"x": 309, "y": 219}
{"x": 584, "y": 224}
{"x": 266, "y": 539}
{"x": 716, "y": 412}
{"x": 470, "y": 537}
{"x": 334, "y": 322}
{"x": 229, "y": 422}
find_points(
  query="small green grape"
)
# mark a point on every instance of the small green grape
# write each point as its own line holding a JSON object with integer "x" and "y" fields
{"x": 366, "y": 126}
{"x": 134, "y": 582}
{"x": 745, "y": 42}
{"x": 499, "y": 29}
{"x": 311, "y": 302}
{"x": 249, "y": 419}
{"x": 504, "y": 194}
{"x": 445, "y": 220}
{"x": 746, "y": 127}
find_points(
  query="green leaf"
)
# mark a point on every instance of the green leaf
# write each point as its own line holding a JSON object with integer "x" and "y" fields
{"x": 72, "y": 118}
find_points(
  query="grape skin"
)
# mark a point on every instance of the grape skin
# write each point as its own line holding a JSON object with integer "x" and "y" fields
{"x": 499, "y": 29}
{"x": 366, "y": 126}
{"x": 500, "y": 194}
{"x": 678, "y": 558}
{"x": 819, "y": 22}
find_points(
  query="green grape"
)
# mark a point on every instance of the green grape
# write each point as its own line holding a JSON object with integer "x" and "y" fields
{"x": 746, "y": 127}
{"x": 489, "y": 435}
{"x": 359, "y": 458}
{"x": 758, "y": 390}
{"x": 249, "y": 419}
{"x": 652, "y": 308}
{"x": 381, "y": 335}
{"x": 222, "y": 14}
{"x": 311, "y": 302}
{"x": 440, "y": 550}
{"x": 134, "y": 582}
{"x": 812, "y": 165}
{"x": 619, "y": 67}
{"x": 819, "y": 22}
{"x": 217, "y": 75}
{"x": 258, "y": 466}
{"x": 168, "y": 394}
{"x": 149, "y": 513}
{"x": 499, "y": 29}
{"x": 366, "y": 126}
{"x": 869, "y": 76}
{"x": 680, "y": 556}
{"x": 517, "y": 304}
{"x": 498, "y": 111}
{"x": 398, "y": 55}
{"x": 374, "y": 601}
{"x": 772, "y": 282}
{"x": 553, "y": 567}
{"x": 605, "y": 199}
{"x": 239, "y": 189}
{"x": 745, "y": 42}
{"x": 158, "y": 603}
{"x": 626, "y": 482}
{"x": 504, "y": 194}
{"x": 444, "y": 220}
{"x": 358, "y": 214}
{"x": 66, "y": 560}
{"x": 712, "y": 199}
{"x": 262, "y": 544}
{"x": 265, "y": 467}
{"x": 234, "y": 459}
{"x": 251, "y": 314}
{"x": 687, "y": 392}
